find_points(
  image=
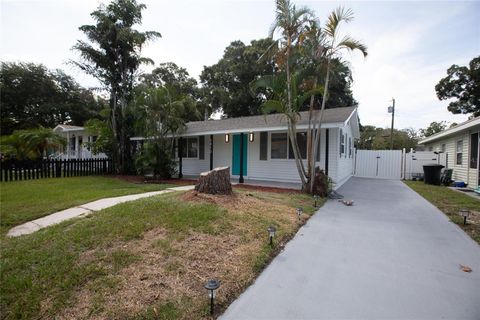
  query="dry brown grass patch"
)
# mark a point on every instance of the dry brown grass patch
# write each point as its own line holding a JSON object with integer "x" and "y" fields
{"x": 171, "y": 267}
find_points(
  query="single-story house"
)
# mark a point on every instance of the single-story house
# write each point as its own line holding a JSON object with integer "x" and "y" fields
{"x": 258, "y": 148}
{"x": 462, "y": 147}
{"x": 77, "y": 138}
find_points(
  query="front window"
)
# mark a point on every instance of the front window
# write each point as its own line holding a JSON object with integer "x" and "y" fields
{"x": 190, "y": 147}
{"x": 459, "y": 154}
{"x": 302, "y": 146}
{"x": 279, "y": 146}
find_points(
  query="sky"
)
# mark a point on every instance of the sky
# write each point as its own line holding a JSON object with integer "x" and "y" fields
{"x": 411, "y": 44}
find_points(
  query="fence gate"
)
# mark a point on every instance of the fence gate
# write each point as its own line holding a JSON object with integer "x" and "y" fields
{"x": 382, "y": 164}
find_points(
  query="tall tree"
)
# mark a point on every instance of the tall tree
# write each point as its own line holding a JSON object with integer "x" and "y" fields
{"x": 113, "y": 56}
{"x": 333, "y": 49}
{"x": 225, "y": 85}
{"x": 292, "y": 24}
{"x": 462, "y": 84}
{"x": 180, "y": 85}
{"x": 32, "y": 96}
{"x": 433, "y": 127}
{"x": 161, "y": 114}
{"x": 374, "y": 138}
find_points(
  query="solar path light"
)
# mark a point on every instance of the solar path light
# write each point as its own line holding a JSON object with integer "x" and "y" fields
{"x": 464, "y": 213}
{"x": 271, "y": 233}
{"x": 211, "y": 286}
{"x": 316, "y": 197}
{"x": 299, "y": 212}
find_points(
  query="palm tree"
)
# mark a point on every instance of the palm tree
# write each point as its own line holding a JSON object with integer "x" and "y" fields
{"x": 161, "y": 113}
{"x": 112, "y": 55}
{"x": 32, "y": 144}
{"x": 291, "y": 22}
{"x": 332, "y": 48}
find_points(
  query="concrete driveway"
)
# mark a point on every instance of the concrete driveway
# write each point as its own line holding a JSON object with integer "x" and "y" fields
{"x": 392, "y": 255}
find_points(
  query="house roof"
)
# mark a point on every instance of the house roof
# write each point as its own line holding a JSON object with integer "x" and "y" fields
{"x": 451, "y": 131}
{"x": 334, "y": 117}
{"x": 66, "y": 127}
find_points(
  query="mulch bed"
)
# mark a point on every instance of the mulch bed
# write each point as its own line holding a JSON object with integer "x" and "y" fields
{"x": 183, "y": 182}
{"x": 265, "y": 189}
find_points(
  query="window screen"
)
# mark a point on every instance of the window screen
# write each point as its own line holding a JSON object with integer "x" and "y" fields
{"x": 201, "y": 147}
{"x": 342, "y": 142}
{"x": 192, "y": 147}
{"x": 302, "y": 145}
{"x": 474, "y": 150}
{"x": 263, "y": 145}
{"x": 279, "y": 146}
{"x": 459, "y": 150}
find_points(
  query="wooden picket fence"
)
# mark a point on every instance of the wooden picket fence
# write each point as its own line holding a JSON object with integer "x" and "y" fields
{"x": 16, "y": 170}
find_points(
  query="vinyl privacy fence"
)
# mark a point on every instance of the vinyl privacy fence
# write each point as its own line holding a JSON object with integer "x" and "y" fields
{"x": 16, "y": 170}
{"x": 394, "y": 164}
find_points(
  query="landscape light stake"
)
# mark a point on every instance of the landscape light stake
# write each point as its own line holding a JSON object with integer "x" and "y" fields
{"x": 271, "y": 233}
{"x": 299, "y": 212}
{"x": 211, "y": 286}
{"x": 464, "y": 213}
{"x": 316, "y": 197}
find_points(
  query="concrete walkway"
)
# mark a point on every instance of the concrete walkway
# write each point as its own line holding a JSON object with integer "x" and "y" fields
{"x": 83, "y": 210}
{"x": 392, "y": 255}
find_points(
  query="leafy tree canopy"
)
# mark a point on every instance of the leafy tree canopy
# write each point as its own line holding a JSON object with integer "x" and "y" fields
{"x": 374, "y": 138}
{"x": 434, "y": 127}
{"x": 226, "y": 83}
{"x": 112, "y": 55}
{"x": 32, "y": 96}
{"x": 462, "y": 84}
{"x": 31, "y": 144}
{"x": 179, "y": 86}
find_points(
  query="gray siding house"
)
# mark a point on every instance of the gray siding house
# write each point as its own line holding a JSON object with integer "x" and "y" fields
{"x": 257, "y": 147}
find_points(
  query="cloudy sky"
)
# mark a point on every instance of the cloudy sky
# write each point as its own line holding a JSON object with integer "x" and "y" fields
{"x": 411, "y": 43}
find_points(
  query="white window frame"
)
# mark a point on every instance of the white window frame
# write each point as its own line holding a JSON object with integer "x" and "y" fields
{"x": 457, "y": 153}
{"x": 342, "y": 143}
{"x": 349, "y": 147}
{"x": 185, "y": 140}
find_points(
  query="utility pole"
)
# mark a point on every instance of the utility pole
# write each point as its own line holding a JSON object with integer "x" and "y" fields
{"x": 392, "y": 111}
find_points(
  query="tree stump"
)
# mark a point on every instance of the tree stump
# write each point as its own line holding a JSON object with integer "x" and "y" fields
{"x": 216, "y": 181}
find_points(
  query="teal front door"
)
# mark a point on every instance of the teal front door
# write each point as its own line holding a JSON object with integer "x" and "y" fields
{"x": 236, "y": 154}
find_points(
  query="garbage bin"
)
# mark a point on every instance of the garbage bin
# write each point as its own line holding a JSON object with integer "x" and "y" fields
{"x": 431, "y": 173}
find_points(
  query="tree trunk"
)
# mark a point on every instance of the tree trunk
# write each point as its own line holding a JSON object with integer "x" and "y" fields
{"x": 316, "y": 145}
{"x": 216, "y": 181}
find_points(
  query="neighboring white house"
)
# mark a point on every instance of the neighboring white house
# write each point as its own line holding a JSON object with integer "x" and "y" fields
{"x": 267, "y": 154}
{"x": 76, "y": 148}
{"x": 461, "y": 146}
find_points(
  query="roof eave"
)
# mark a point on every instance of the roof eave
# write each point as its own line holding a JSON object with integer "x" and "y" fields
{"x": 449, "y": 132}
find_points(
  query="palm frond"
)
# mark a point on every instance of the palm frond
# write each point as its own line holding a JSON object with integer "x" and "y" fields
{"x": 338, "y": 15}
{"x": 351, "y": 44}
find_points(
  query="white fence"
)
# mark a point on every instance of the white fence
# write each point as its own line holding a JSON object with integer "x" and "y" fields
{"x": 394, "y": 164}
{"x": 414, "y": 162}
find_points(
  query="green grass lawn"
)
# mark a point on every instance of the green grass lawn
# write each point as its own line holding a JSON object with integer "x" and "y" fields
{"x": 146, "y": 259}
{"x": 22, "y": 201}
{"x": 450, "y": 202}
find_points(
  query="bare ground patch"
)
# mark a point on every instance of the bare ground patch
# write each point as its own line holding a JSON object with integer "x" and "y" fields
{"x": 170, "y": 269}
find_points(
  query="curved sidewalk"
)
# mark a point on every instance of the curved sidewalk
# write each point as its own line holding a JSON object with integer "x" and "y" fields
{"x": 84, "y": 209}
